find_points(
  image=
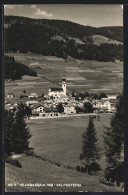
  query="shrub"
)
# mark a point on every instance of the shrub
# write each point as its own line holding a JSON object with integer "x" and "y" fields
{"x": 29, "y": 153}
{"x": 95, "y": 166}
{"x": 78, "y": 168}
{"x": 83, "y": 169}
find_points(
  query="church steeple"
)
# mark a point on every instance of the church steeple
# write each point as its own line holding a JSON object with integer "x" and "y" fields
{"x": 64, "y": 84}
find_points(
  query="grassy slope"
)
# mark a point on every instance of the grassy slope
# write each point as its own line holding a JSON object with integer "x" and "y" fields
{"x": 37, "y": 171}
{"x": 100, "y": 77}
{"x": 60, "y": 142}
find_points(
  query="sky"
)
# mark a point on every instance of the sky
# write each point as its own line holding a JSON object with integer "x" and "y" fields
{"x": 85, "y": 14}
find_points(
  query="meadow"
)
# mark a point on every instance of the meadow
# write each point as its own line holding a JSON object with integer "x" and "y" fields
{"x": 60, "y": 139}
{"x": 57, "y": 142}
{"x": 81, "y": 75}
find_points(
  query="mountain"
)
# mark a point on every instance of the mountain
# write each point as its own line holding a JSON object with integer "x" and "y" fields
{"x": 63, "y": 39}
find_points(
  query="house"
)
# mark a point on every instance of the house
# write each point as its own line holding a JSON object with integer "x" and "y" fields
{"x": 10, "y": 95}
{"x": 69, "y": 109}
{"x": 35, "y": 114}
{"x": 110, "y": 97}
{"x": 31, "y": 103}
{"x": 57, "y": 92}
{"x": 38, "y": 108}
{"x": 50, "y": 112}
{"x": 98, "y": 105}
{"x": 107, "y": 105}
{"x": 63, "y": 98}
{"x": 33, "y": 95}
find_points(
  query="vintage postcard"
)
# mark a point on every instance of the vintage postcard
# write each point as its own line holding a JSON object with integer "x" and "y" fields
{"x": 63, "y": 71}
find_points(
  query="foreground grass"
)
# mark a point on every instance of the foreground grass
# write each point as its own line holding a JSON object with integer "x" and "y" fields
{"x": 36, "y": 171}
{"x": 60, "y": 139}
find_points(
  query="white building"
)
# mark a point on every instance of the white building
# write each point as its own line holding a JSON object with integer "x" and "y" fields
{"x": 10, "y": 95}
{"x": 112, "y": 97}
{"x": 31, "y": 103}
{"x": 69, "y": 109}
{"x": 39, "y": 108}
{"x": 56, "y": 92}
{"x": 33, "y": 95}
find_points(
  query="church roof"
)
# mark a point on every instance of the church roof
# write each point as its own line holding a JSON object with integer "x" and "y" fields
{"x": 56, "y": 89}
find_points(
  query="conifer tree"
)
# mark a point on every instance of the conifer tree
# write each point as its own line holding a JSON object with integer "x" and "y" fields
{"x": 90, "y": 151}
{"x": 9, "y": 120}
{"x": 17, "y": 135}
{"x": 22, "y": 133}
{"x": 114, "y": 140}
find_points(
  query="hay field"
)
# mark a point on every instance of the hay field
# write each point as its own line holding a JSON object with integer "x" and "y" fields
{"x": 60, "y": 139}
{"x": 82, "y": 75}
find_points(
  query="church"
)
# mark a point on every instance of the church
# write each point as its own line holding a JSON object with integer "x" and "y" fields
{"x": 57, "y": 92}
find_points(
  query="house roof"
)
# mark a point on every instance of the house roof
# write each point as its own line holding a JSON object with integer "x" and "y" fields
{"x": 47, "y": 109}
{"x": 56, "y": 89}
{"x": 69, "y": 105}
{"x": 10, "y": 94}
{"x": 37, "y": 106}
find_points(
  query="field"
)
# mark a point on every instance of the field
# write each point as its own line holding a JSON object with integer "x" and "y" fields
{"x": 58, "y": 141}
{"x": 61, "y": 139}
{"x": 91, "y": 76}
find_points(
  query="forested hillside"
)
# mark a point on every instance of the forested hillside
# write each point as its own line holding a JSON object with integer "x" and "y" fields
{"x": 61, "y": 38}
{"x": 14, "y": 70}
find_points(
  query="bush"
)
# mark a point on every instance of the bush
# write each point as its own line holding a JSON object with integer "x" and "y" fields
{"x": 13, "y": 162}
{"x": 83, "y": 169}
{"x": 78, "y": 168}
{"x": 29, "y": 153}
{"x": 94, "y": 167}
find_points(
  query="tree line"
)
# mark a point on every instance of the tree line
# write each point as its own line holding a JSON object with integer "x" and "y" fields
{"x": 14, "y": 70}
{"x": 21, "y": 36}
{"x": 66, "y": 27}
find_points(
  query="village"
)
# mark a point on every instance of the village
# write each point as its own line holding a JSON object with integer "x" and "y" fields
{"x": 57, "y": 103}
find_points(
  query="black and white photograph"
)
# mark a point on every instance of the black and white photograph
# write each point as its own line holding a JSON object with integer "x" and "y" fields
{"x": 63, "y": 98}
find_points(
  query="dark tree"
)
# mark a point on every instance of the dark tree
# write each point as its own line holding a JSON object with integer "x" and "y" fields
{"x": 22, "y": 133}
{"x": 28, "y": 111}
{"x": 102, "y": 95}
{"x": 17, "y": 135}
{"x": 114, "y": 141}
{"x": 60, "y": 108}
{"x": 90, "y": 151}
{"x": 9, "y": 120}
{"x": 73, "y": 93}
{"x": 86, "y": 94}
{"x": 88, "y": 107}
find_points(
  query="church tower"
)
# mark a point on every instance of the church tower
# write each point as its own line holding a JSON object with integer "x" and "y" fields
{"x": 64, "y": 84}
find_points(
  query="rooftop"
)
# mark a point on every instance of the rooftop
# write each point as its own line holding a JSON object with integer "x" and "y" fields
{"x": 56, "y": 89}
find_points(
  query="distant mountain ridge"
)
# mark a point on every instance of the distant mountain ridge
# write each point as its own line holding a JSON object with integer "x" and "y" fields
{"x": 63, "y": 38}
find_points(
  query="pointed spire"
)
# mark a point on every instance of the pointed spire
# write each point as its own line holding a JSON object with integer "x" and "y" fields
{"x": 63, "y": 78}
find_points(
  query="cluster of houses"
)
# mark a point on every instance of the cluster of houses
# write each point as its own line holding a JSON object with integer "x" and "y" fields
{"x": 48, "y": 106}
